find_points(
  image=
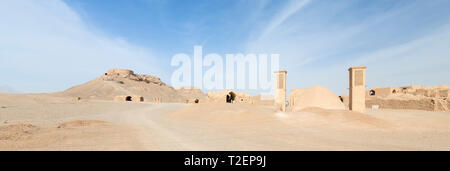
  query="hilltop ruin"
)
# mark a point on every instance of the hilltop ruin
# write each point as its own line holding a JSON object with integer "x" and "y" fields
{"x": 118, "y": 84}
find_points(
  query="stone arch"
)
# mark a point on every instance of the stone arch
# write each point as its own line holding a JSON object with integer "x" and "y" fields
{"x": 128, "y": 99}
{"x": 230, "y": 97}
{"x": 372, "y": 92}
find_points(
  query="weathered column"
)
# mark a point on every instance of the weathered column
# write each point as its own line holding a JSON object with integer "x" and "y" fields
{"x": 280, "y": 90}
{"x": 357, "y": 101}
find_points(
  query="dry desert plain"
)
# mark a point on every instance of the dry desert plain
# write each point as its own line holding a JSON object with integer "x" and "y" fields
{"x": 48, "y": 122}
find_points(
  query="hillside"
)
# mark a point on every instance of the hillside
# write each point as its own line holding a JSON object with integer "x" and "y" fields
{"x": 122, "y": 82}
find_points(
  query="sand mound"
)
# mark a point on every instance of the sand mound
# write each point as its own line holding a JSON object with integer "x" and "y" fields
{"x": 81, "y": 123}
{"x": 190, "y": 93}
{"x": 316, "y": 96}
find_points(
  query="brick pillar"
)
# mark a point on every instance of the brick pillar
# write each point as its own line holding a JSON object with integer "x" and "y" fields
{"x": 280, "y": 90}
{"x": 357, "y": 89}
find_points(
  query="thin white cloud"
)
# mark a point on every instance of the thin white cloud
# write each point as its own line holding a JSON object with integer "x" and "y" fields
{"x": 46, "y": 46}
{"x": 319, "y": 50}
{"x": 421, "y": 61}
{"x": 290, "y": 8}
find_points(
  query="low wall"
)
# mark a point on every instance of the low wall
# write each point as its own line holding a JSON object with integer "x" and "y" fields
{"x": 428, "y": 104}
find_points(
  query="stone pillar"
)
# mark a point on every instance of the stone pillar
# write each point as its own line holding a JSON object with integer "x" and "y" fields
{"x": 280, "y": 90}
{"x": 357, "y": 99}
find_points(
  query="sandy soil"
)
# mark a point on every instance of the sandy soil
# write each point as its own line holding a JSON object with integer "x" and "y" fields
{"x": 44, "y": 122}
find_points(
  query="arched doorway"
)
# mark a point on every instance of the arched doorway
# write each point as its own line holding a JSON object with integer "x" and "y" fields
{"x": 372, "y": 92}
{"x": 128, "y": 99}
{"x": 230, "y": 97}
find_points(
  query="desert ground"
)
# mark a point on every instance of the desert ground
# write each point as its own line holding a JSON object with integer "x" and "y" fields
{"x": 48, "y": 122}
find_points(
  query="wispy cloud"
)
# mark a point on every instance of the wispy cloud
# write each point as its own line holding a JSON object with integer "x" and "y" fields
{"x": 317, "y": 40}
{"x": 401, "y": 43}
{"x": 420, "y": 61}
{"x": 46, "y": 46}
{"x": 290, "y": 8}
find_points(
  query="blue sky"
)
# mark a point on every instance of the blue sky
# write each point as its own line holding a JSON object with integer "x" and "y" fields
{"x": 51, "y": 45}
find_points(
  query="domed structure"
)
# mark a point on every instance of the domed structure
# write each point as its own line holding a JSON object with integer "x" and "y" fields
{"x": 317, "y": 96}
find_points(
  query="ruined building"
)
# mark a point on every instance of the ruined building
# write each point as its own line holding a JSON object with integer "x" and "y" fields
{"x": 117, "y": 84}
{"x": 433, "y": 98}
{"x": 228, "y": 96}
{"x": 129, "y": 98}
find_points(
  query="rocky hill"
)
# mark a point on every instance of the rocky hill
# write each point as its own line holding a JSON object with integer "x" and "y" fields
{"x": 122, "y": 82}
